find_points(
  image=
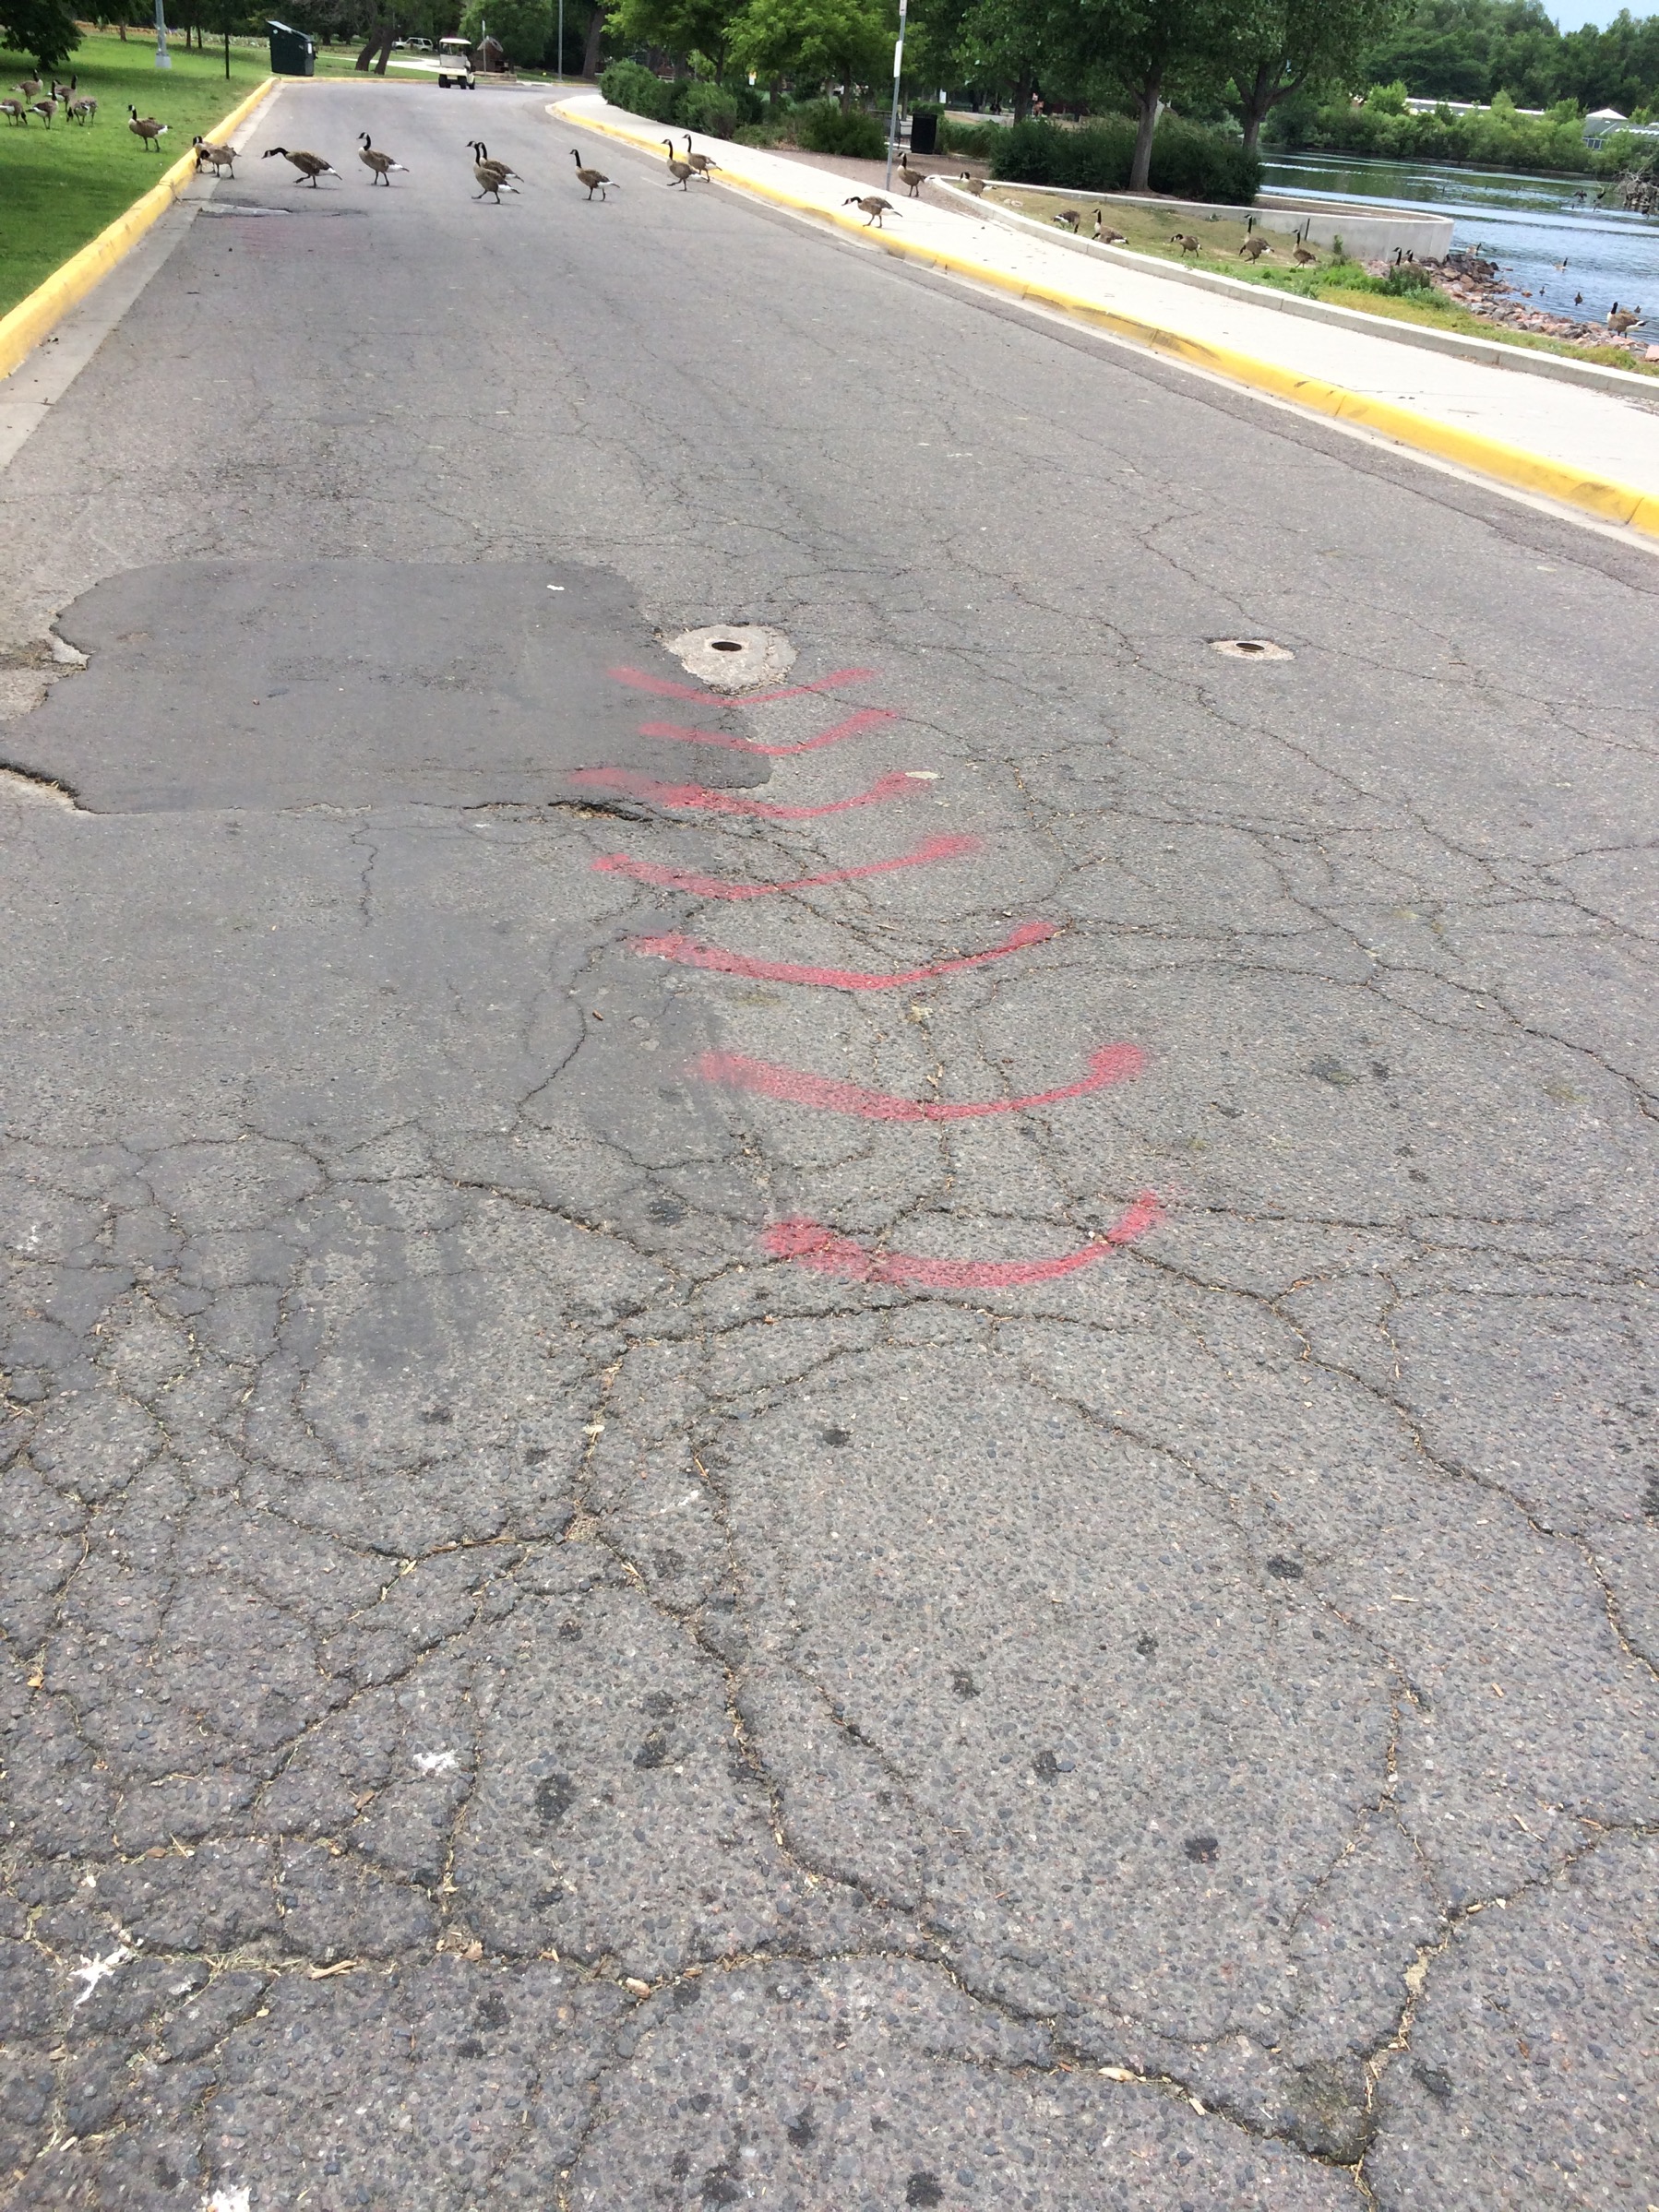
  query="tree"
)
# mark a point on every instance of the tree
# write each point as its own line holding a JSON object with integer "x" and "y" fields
{"x": 1281, "y": 47}
{"x": 1005, "y": 43}
{"x": 44, "y": 30}
{"x": 678, "y": 26}
{"x": 851, "y": 39}
{"x": 522, "y": 27}
{"x": 1155, "y": 50}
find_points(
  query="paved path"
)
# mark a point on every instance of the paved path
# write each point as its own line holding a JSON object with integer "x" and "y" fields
{"x": 640, "y": 1573}
{"x": 1597, "y": 433}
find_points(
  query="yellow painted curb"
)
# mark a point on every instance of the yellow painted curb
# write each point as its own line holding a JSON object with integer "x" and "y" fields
{"x": 1597, "y": 495}
{"x": 33, "y": 319}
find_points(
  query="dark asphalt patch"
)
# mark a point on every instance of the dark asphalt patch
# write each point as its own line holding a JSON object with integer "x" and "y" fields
{"x": 278, "y": 683}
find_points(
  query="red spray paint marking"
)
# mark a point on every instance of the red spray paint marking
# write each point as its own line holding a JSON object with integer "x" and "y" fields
{"x": 663, "y": 688}
{"x": 866, "y": 718}
{"x": 901, "y": 783}
{"x": 1112, "y": 1064}
{"x": 690, "y": 953}
{"x": 721, "y": 886}
{"x": 813, "y": 1245}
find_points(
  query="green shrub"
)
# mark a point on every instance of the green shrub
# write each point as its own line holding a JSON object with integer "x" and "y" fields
{"x": 1188, "y": 162}
{"x": 631, "y": 86}
{"x": 824, "y": 128}
{"x": 710, "y": 108}
{"x": 1405, "y": 281}
{"x": 977, "y": 140}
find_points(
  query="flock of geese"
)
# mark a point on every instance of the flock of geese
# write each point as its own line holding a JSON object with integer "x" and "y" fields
{"x": 35, "y": 98}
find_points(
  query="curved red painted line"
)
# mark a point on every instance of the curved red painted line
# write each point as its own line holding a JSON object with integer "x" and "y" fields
{"x": 901, "y": 783}
{"x": 690, "y": 953}
{"x": 661, "y": 688}
{"x": 721, "y": 886}
{"x": 813, "y": 1245}
{"x": 867, "y": 718}
{"x": 1112, "y": 1064}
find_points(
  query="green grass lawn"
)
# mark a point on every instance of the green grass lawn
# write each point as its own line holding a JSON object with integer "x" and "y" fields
{"x": 1341, "y": 284}
{"x": 60, "y": 187}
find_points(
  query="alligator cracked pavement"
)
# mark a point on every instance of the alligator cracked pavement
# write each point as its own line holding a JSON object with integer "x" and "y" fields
{"x": 883, "y": 1437}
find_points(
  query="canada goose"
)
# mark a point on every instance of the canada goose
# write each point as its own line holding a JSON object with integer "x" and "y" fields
{"x": 1254, "y": 248}
{"x": 873, "y": 206}
{"x": 46, "y": 108}
{"x": 379, "y": 165}
{"x": 146, "y": 128}
{"x": 493, "y": 177}
{"x": 1624, "y": 318}
{"x": 1561, "y": 264}
{"x": 594, "y": 179}
{"x": 1304, "y": 256}
{"x": 29, "y": 86}
{"x": 679, "y": 172}
{"x": 1071, "y": 216}
{"x": 975, "y": 184}
{"x": 912, "y": 179}
{"x": 1578, "y": 299}
{"x": 218, "y": 158}
{"x": 310, "y": 166}
{"x": 83, "y": 107}
{"x": 702, "y": 163}
{"x": 1187, "y": 243}
{"x": 15, "y": 112}
{"x": 1104, "y": 234}
{"x": 64, "y": 94}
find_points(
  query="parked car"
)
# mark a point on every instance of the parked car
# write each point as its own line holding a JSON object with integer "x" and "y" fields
{"x": 455, "y": 63}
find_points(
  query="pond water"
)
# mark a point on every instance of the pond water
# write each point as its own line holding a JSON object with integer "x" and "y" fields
{"x": 1527, "y": 224}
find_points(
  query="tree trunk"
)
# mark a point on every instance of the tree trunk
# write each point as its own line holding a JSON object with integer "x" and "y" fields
{"x": 1257, "y": 100}
{"x": 1146, "y": 122}
{"x": 596, "y": 31}
{"x": 1022, "y": 93}
{"x": 379, "y": 42}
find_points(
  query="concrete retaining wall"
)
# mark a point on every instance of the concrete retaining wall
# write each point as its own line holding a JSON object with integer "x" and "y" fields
{"x": 1366, "y": 235}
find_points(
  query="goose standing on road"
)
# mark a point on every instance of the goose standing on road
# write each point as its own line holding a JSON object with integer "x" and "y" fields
{"x": 217, "y": 158}
{"x": 310, "y": 166}
{"x": 594, "y": 179}
{"x": 679, "y": 172}
{"x": 378, "y": 165}
{"x": 493, "y": 177}
{"x": 700, "y": 163}
{"x": 148, "y": 128}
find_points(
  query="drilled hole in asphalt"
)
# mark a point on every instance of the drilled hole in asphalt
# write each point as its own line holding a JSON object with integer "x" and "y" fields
{"x": 733, "y": 656}
{"x": 1250, "y": 648}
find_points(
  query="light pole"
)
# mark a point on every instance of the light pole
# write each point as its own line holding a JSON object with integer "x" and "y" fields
{"x": 561, "y": 41}
{"x": 164, "y": 59}
{"x": 892, "y": 127}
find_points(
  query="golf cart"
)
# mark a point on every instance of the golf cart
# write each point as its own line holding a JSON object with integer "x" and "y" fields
{"x": 455, "y": 63}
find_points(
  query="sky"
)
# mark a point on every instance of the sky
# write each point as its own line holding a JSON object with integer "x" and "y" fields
{"x": 1572, "y": 15}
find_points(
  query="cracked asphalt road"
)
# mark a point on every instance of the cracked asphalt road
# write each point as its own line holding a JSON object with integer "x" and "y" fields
{"x": 589, "y": 1627}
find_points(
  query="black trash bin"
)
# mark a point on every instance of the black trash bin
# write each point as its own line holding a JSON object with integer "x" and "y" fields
{"x": 923, "y": 130}
{"x": 292, "y": 53}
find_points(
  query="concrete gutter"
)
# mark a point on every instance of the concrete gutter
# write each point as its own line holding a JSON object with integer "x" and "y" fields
{"x": 38, "y": 315}
{"x": 1491, "y": 353}
{"x": 1587, "y": 491}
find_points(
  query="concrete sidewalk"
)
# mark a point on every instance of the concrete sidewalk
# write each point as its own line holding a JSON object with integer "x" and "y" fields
{"x": 1594, "y": 452}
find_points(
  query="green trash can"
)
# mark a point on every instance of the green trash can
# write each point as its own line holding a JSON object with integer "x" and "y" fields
{"x": 292, "y": 53}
